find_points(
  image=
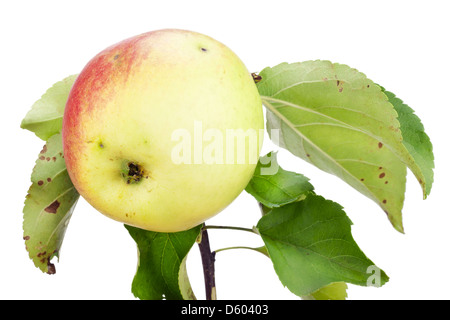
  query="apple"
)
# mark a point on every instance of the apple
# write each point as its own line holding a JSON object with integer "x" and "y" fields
{"x": 163, "y": 130}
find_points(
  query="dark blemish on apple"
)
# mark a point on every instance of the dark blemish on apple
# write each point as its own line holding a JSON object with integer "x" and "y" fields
{"x": 40, "y": 182}
{"x": 381, "y": 176}
{"x": 53, "y": 207}
{"x": 116, "y": 56}
{"x": 133, "y": 172}
{"x": 380, "y": 145}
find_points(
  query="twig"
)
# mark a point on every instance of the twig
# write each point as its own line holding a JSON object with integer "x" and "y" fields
{"x": 208, "y": 259}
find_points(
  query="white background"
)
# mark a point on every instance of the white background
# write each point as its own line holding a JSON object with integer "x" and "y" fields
{"x": 399, "y": 44}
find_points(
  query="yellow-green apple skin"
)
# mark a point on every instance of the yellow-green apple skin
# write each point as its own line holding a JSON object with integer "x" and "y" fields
{"x": 120, "y": 119}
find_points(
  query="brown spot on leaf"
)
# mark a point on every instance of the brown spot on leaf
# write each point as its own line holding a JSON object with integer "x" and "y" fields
{"x": 53, "y": 207}
{"x": 44, "y": 149}
{"x": 380, "y": 145}
{"x": 381, "y": 176}
{"x": 384, "y": 201}
{"x": 308, "y": 155}
{"x": 41, "y": 158}
{"x": 49, "y": 179}
{"x": 362, "y": 179}
{"x": 339, "y": 85}
{"x": 26, "y": 238}
{"x": 386, "y": 182}
{"x": 50, "y": 267}
{"x": 54, "y": 159}
{"x": 40, "y": 182}
{"x": 48, "y": 158}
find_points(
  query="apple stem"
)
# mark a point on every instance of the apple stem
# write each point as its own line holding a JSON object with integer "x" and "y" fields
{"x": 208, "y": 259}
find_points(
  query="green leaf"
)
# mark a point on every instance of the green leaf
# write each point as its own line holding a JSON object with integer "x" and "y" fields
{"x": 273, "y": 186}
{"x": 334, "y": 291}
{"x": 48, "y": 206}
{"x": 338, "y": 120}
{"x": 415, "y": 140}
{"x": 45, "y": 116}
{"x": 311, "y": 246}
{"x": 161, "y": 272}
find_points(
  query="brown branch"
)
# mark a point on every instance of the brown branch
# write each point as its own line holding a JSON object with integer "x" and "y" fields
{"x": 208, "y": 259}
